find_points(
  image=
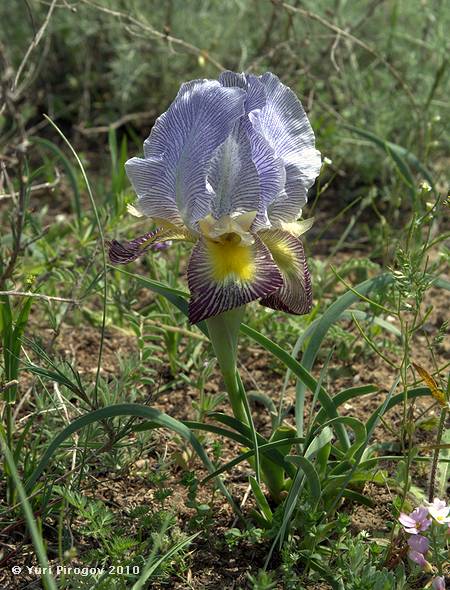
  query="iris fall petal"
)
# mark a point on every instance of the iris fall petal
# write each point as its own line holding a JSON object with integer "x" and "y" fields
{"x": 295, "y": 294}
{"x": 226, "y": 275}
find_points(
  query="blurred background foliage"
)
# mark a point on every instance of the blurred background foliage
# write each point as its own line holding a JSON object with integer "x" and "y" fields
{"x": 379, "y": 65}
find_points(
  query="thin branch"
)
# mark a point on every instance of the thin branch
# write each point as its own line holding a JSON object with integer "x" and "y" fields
{"x": 115, "y": 124}
{"x": 17, "y": 230}
{"x": 36, "y": 188}
{"x": 316, "y": 17}
{"x": 38, "y": 296}
{"x": 34, "y": 44}
{"x": 157, "y": 34}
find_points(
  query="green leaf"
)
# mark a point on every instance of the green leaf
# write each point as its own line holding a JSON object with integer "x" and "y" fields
{"x": 359, "y": 498}
{"x": 261, "y": 499}
{"x": 175, "y": 296}
{"x": 151, "y": 567}
{"x": 318, "y": 442}
{"x": 358, "y": 428}
{"x": 332, "y": 315}
{"x": 264, "y": 448}
{"x": 36, "y": 537}
{"x": 299, "y": 370}
{"x": 305, "y": 472}
{"x": 344, "y": 396}
{"x": 393, "y": 401}
{"x": 271, "y": 454}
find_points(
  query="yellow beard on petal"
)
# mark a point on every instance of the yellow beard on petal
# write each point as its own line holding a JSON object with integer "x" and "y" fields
{"x": 283, "y": 255}
{"x": 231, "y": 258}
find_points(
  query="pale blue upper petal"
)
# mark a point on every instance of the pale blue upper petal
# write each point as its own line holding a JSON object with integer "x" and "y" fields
{"x": 285, "y": 126}
{"x": 173, "y": 173}
{"x": 271, "y": 172}
{"x": 233, "y": 177}
{"x": 240, "y": 144}
{"x": 254, "y": 88}
{"x": 270, "y": 168}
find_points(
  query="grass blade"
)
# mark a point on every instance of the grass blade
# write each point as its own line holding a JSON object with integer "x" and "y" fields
{"x": 48, "y": 580}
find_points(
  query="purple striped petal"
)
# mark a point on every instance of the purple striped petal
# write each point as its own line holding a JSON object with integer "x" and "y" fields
{"x": 172, "y": 176}
{"x": 149, "y": 180}
{"x": 285, "y": 126}
{"x": 295, "y": 295}
{"x": 123, "y": 253}
{"x": 223, "y": 276}
{"x": 271, "y": 171}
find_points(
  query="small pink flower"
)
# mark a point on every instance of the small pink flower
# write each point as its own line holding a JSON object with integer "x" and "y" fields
{"x": 418, "y": 546}
{"x": 415, "y": 522}
{"x": 438, "y": 583}
{"x": 419, "y": 543}
{"x": 417, "y": 558}
{"x": 439, "y": 510}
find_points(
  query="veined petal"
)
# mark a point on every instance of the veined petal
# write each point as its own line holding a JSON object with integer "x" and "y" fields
{"x": 271, "y": 170}
{"x": 256, "y": 94}
{"x": 295, "y": 295}
{"x": 125, "y": 252}
{"x": 232, "y": 176}
{"x": 226, "y": 275}
{"x": 297, "y": 228}
{"x": 285, "y": 126}
{"x": 172, "y": 175}
{"x": 152, "y": 186}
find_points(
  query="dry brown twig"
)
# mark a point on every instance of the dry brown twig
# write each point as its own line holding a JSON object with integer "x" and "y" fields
{"x": 142, "y": 116}
{"x": 316, "y": 17}
{"x": 38, "y": 296}
{"x": 163, "y": 36}
{"x": 17, "y": 227}
{"x": 36, "y": 40}
{"x": 44, "y": 186}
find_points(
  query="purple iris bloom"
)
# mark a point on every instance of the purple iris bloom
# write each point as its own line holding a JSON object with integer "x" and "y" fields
{"x": 415, "y": 522}
{"x": 228, "y": 167}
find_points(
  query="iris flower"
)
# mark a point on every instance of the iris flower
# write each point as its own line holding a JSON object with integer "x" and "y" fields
{"x": 228, "y": 167}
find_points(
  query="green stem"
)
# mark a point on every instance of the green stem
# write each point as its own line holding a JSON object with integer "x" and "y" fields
{"x": 435, "y": 463}
{"x": 10, "y": 487}
{"x": 223, "y": 332}
{"x": 234, "y": 395}
{"x": 435, "y": 548}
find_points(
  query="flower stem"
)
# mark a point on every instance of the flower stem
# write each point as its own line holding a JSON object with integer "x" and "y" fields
{"x": 223, "y": 332}
{"x": 234, "y": 395}
{"x": 434, "y": 465}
